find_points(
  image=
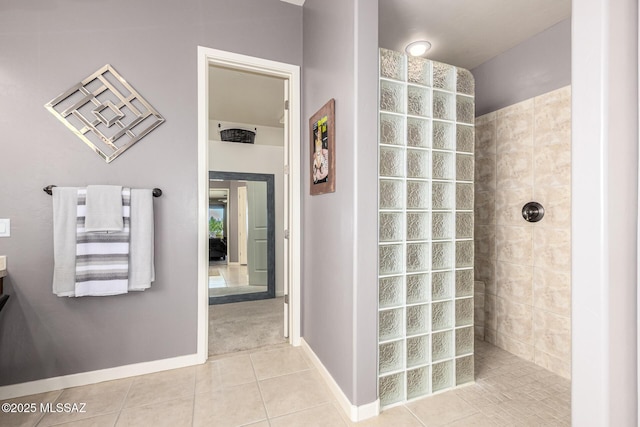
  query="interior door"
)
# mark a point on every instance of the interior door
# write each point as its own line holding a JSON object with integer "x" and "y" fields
{"x": 287, "y": 196}
{"x": 257, "y": 233}
{"x": 242, "y": 225}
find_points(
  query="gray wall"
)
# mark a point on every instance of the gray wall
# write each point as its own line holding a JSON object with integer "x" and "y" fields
{"x": 339, "y": 294}
{"x": 46, "y": 47}
{"x": 536, "y": 66}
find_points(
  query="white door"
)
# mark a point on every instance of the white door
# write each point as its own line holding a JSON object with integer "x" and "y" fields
{"x": 242, "y": 225}
{"x": 287, "y": 200}
{"x": 257, "y": 245}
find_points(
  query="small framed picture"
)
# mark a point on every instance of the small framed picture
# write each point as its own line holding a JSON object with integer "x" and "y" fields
{"x": 323, "y": 150}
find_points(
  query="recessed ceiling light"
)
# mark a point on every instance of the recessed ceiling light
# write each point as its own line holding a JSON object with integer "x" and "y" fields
{"x": 418, "y": 48}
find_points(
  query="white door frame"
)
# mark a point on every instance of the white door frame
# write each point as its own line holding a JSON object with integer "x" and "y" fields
{"x": 207, "y": 57}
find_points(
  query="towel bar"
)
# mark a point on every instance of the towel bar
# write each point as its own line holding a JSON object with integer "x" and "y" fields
{"x": 48, "y": 189}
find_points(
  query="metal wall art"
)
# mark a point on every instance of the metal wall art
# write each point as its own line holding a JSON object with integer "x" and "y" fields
{"x": 106, "y": 113}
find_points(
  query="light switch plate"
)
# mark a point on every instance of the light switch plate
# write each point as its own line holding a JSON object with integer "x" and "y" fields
{"x": 5, "y": 227}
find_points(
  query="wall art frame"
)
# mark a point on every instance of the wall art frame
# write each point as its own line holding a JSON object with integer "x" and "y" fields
{"x": 322, "y": 150}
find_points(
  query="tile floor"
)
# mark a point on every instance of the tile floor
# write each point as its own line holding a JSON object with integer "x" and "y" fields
{"x": 279, "y": 387}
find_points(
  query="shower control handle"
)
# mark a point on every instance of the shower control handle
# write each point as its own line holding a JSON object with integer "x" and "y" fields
{"x": 532, "y": 212}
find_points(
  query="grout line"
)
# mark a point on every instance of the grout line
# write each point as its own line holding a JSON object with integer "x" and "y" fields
{"x": 255, "y": 375}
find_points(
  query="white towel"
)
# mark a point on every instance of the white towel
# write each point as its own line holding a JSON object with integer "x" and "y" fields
{"x": 65, "y": 201}
{"x": 103, "y": 208}
{"x": 102, "y": 258}
{"x": 141, "y": 258}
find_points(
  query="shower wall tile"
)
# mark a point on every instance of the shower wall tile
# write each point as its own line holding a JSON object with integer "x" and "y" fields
{"x": 552, "y": 291}
{"x": 552, "y": 333}
{"x": 557, "y": 205}
{"x": 485, "y": 270}
{"x": 554, "y": 364}
{"x": 485, "y": 241}
{"x": 520, "y": 349}
{"x": 514, "y": 127}
{"x": 514, "y": 282}
{"x": 553, "y": 165}
{"x": 485, "y": 174}
{"x": 514, "y": 245}
{"x": 515, "y": 321}
{"x": 490, "y": 311}
{"x": 485, "y": 208}
{"x": 552, "y": 247}
{"x": 514, "y": 169}
{"x": 509, "y": 205}
{"x": 485, "y": 139}
{"x": 553, "y": 117}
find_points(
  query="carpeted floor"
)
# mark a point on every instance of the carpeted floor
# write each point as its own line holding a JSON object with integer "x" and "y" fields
{"x": 245, "y": 326}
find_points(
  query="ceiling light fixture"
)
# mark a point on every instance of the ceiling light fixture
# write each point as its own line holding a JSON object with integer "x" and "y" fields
{"x": 418, "y": 48}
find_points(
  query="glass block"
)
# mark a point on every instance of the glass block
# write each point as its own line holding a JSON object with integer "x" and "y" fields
{"x": 464, "y": 283}
{"x": 418, "y": 101}
{"x": 465, "y": 138}
{"x": 391, "y": 161}
{"x": 392, "y": 97}
{"x": 390, "y": 291}
{"x": 418, "y": 289}
{"x": 465, "y": 109}
{"x": 418, "y": 195}
{"x": 442, "y": 255}
{"x": 442, "y": 225}
{"x": 442, "y": 315}
{"x": 464, "y": 167}
{"x": 443, "y": 135}
{"x": 464, "y": 254}
{"x": 443, "y": 196}
{"x": 465, "y": 83}
{"x": 390, "y": 259}
{"x": 391, "y": 389}
{"x": 417, "y": 319}
{"x": 442, "y": 376}
{"x": 443, "y": 167}
{"x": 417, "y": 351}
{"x": 442, "y": 285}
{"x": 441, "y": 345}
{"x": 464, "y": 341}
{"x": 418, "y": 164}
{"x": 392, "y": 64}
{"x": 391, "y": 356}
{"x": 418, "y": 226}
{"x": 391, "y": 194}
{"x": 443, "y": 106}
{"x": 418, "y": 132}
{"x": 464, "y": 312}
{"x": 464, "y": 197}
{"x": 390, "y": 228}
{"x": 417, "y": 257}
{"x": 464, "y": 370}
{"x": 390, "y": 324}
{"x": 418, "y": 382}
{"x": 419, "y": 71}
{"x": 391, "y": 129}
{"x": 443, "y": 76}
{"x": 464, "y": 225}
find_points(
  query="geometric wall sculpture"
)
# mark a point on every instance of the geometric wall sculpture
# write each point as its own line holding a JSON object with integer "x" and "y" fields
{"x": 425, "y": 242}
{"x": 106, "y": 113}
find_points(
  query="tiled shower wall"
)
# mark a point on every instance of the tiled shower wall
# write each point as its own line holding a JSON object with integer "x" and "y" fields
{"x": 426, "y": 173}
{"x": 523, "y": 153}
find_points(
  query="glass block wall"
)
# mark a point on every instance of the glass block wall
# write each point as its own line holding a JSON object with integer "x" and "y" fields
{"x": 426, "y": 142}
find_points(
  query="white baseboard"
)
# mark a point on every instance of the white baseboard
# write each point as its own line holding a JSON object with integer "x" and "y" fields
{"x": 93, "y": 377}
{"x": 355, "y": 413}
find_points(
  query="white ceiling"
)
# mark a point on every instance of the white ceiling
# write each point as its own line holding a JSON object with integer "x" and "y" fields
{"x": 241, "y": 97}
{"x": 466, "y": 33}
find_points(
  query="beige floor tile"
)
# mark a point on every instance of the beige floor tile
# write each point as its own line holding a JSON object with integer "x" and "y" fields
{"x": 208, "y": 377}
{"x": 477, "y": 420}
{"x": 24, "y": 419}
{"x": 293, "y": 392}
{"x": 398, "y": 416}
{"x": 441, "y": 409}
{"x": 173, "y": 413}
{"x": 258, "y": 424}
{"x": 282, "y": 361}
{"x": 236, "y": 370}
{"x": 99, "y": 399}
{"x": 161, "y": 386}
{"x": 319, "y": 416}
{"x": 233, "y": 406}
{"x": 107, "y": 420}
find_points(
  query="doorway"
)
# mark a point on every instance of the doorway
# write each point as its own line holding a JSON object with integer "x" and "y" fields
{"x": 290, "y": 188}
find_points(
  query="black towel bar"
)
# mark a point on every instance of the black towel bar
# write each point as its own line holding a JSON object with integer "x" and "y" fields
{"x": 48, "y": 189}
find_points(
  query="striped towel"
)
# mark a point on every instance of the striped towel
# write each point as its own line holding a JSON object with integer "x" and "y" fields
{"x": 102, "y": 257}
